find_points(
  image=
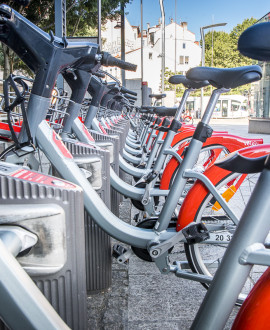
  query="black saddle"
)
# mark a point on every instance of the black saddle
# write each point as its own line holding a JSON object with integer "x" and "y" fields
{"x": 254, "y": 42}
{"x": 238, "y": 163}
{"x": 146, "y": 109}
{"x": 226, "y": 78}
{"x": 165, "y": 111}
{"x": 180, "y": 79}
{"x": 157, "y": 96}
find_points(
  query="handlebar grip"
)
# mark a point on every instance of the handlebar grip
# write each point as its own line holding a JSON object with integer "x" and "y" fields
{"x": 130, "y": 97}
{"x": 99, "y": 74}
{"x": 109, "y": 60}
{"x": 128, "y": 91}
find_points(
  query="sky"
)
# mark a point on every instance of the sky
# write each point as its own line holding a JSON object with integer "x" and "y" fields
{"x": 198, "y": 13}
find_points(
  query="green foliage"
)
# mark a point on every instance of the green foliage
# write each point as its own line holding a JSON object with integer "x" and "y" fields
{"x": 81, "y": 19}
{"x": 179, "y": 89}
{"x": 223, "y": 54}
{"x": 80, "y": 15}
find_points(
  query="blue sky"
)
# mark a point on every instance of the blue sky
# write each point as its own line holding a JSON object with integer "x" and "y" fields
{"x": 198, "y": 13}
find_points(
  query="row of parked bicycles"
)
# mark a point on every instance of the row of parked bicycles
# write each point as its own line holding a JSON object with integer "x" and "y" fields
{"x": 194, "y": 186}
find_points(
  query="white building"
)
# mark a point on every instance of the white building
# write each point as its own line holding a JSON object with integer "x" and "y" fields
{"x": 182, "y": 52}
{"x": 185, "y": 55}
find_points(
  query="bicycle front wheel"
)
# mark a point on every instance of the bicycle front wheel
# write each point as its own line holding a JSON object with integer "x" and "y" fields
{"x": 205, "y": 257}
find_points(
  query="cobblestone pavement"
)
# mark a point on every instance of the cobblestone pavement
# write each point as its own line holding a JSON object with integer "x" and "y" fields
{"x": 142, "y": 298}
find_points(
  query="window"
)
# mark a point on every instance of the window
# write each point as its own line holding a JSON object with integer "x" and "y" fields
{"x": 181, "y": 59}
{"x": 224, "y": 108}
{"x": 218, "y": 106}
{"x": 152, "y": 38}
{"x": 184, "y": 45}
{"x": 186, "y": 59}
{"x": 150, "y": 56}
{"x": 190, "y": 106}
{"x": 135, "y": 36}
{"x": 235, "y": 105}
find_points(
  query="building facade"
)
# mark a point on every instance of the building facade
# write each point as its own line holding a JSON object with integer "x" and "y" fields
{"x": 181, "y": 50}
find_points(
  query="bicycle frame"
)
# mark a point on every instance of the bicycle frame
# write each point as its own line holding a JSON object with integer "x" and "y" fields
{"x": 56, "y": 152}
{"x": 246, "y": 248}
{"x": 52, "y": 146}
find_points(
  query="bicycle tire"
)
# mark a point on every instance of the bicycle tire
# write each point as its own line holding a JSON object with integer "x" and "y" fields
{"x": 206, "y": 159}
{"x": 204, "y": 258}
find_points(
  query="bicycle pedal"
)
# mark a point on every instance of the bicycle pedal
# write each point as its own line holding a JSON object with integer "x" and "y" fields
{"x": 121, "y": 254}
{"x": 196, "y": 233}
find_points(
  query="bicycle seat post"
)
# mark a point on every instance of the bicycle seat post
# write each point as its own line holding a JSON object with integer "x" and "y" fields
{"x": 182, "y": 103}
{"x": 212, "y": 104}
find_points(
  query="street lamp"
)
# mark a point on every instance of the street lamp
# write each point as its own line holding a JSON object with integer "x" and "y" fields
{"x": 163, "y": 45}
{"x": 203, "y": 49}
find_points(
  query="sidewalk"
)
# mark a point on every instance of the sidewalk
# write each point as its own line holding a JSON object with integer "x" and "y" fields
{"x": 142, "y": 298}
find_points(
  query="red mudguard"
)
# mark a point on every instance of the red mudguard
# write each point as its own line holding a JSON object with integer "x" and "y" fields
{"x": 254, "y": 313}
{"x": 198, "y": 192}
{"x": 230, "y": 142}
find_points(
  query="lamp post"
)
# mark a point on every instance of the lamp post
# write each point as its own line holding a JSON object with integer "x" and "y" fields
{"x": 123, "y": 46}
{"x": 163, "y": 45}
{"x": 203, "y": 49}
{"x": 60, "y": 29}
{"x": 99, "y": 23}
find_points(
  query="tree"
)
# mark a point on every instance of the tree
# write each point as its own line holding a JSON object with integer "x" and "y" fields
{"x": 237, "y": 58}
{"x": 225, "y": 51}
{"x": 179, "y": 89}
{"x": 81, "y": 20}
{"x": 221, "y": 52}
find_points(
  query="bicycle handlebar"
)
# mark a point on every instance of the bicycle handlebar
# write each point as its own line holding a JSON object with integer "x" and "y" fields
{"x": 99, "y": 74}
{"x": 109, "y": 60}
{"x": 127, "y": 91}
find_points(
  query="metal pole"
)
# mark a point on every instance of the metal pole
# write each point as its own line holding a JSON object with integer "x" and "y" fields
{"x": 123, "y": 50}
{"x": 212, "y": 59}
{"x": 60, "y": 18}
{"x": 203, "y": 49}
{"x": 175, "y": 38}
{"x": 60, "y": 28}
{"x": 142, "y": 49}
{"x": 99, "y": 23}
{"x": 163, "y": 46}
{"x": 175, "y": 22}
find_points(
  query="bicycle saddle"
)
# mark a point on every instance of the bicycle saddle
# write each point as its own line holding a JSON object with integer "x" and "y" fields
{"x": 146, "y": 109}
{"x": 165, "y": 111}
{"x": 254, "y": 42}
{"x": 226, "y": 78}
{"x": 235, "y": 162}
{"x": 180, "y": 79}
{"x": 157, "y": 96}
